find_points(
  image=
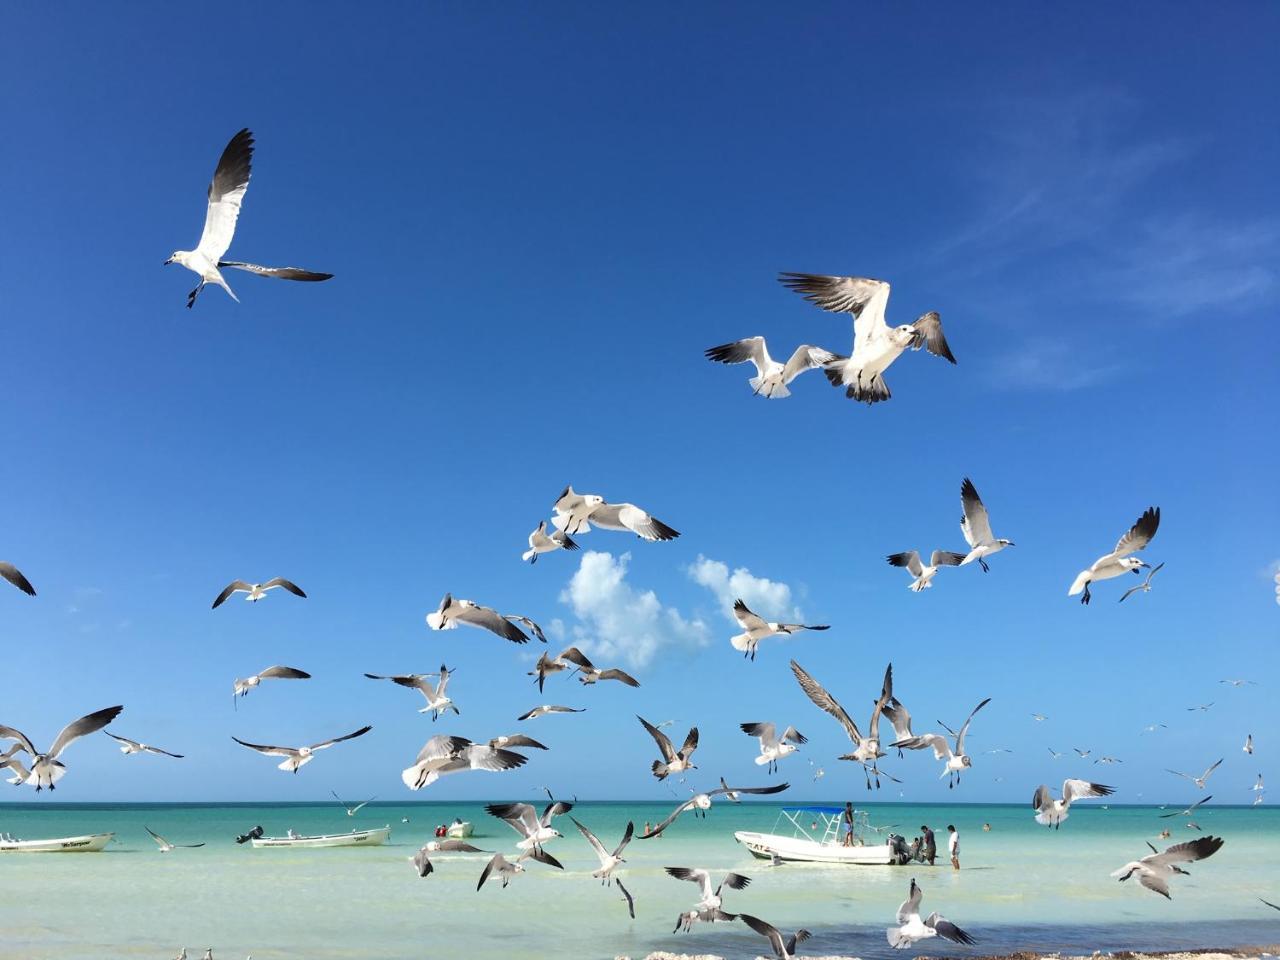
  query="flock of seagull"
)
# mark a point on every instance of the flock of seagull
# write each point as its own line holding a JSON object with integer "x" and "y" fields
{"x": 861, "y": 374}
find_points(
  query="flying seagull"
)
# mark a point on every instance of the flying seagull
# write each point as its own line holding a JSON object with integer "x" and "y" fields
{"x": 166, "y": 846}
{"x": 242, "y": 687}
{"x": 546, "y": 666}
{"x": 46, "y": 769}
{"x": 771, "y": 377}
{"x": 976, "y": 527}
{"x": 608, "y": 861}
{"x": 1119, "y": 560}
{"x": 866, "y": 749}
{"x": 438, "y": 701}
{"x": 1239, "y": 683}
{"x": 422, "y": 859}
{"x": 453, "y": 612}
{"x": 442, "y": 755}
{"x": 1039, "y": 717}
{"x": 1202, "y": 707}
{"x": 588, "y": 673}
{"x": 673, "y": 760}
{"x": 783, "y": 948}
{"x": 226, "y": 193}
{"x": 534, "y": 829}
{"x": 755, "y": 628}
{"x": 1051, "y": 812}
{"x": 710, "y": 897}
{"x": 1157, "y": 869}
{"x": 14, "y": 576}
{"x": 575, "y": 512}
{"x": 133, "y": 746}
{"x": 911, "y": 928}
{"x": 773, "y": 747}
{"x": 1189, "y": 811}
{"x": 548, "y": 708}
{"x": 297, "y": 757}
{"x": 1200, "y": 780}
{"x": 875, "y": 345}
{"x": 923, "y": 575}
{"x": 540, "y": 543}
{"x": 956, "y": 760}
{"x": 507, "y": 869}
{"x": 1055, "y": 754}
{"x": 256, "y": 591}
{"x": 1145, "y": 585}
{"x": 516, "y": 740}
{"x": 701, "y": 802}
{"x": 9, "y": 761}
{"x": 351, "y": 810}
{"x": 687, "y": 919}
{"x": 1248, "y": 743}
{"x": 1082, "y": 754}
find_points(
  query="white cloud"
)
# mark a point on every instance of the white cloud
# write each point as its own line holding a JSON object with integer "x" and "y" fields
{"x": 618, "y": 622}
{"x": 769, "y": 598}
{"x": 1045, "y": 364}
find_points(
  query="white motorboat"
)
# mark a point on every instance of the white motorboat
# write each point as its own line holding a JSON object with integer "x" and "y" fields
{"x": 89, "y": 843}
{"x": 459, "y": 830}
{"x": 356, "y": 838}
{"x": 819, "y": 841}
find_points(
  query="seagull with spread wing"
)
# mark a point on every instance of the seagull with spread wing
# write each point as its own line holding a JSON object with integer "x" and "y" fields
{"x": 1145, "y": 585}
{"x": 772, "y": 378}
{"x": 866, "y": 749}
{"x": 976, "y": 527}
{"x": 166, "y": 846}
{"x": 507, "y": 870}
{"x": 711, "y": 898}
{"x": 1157, "y": 869}
{"x": 773, "y": 746}
{"x": 957, "y": 761}
{"x": 547, "y": 709}
{"x": 701, "y": 802}
{"x": 452, "y": 612}
{"x": 922, "y": 574}
{"x": 755, "y": 628}
{"x": 243, "y": 686}
{"x": 438, "y": 701}
{"x": 442, "y": 755}
{"x": 298, "y": 757}
{"x": 256, "y": 591}
{"x": 673, "y": 760}
{"x": 588, "y": 673}
{"x": 534, "y": 829}
{"x": 575, "y": 512}
{"x": 46, "y": 769}
{"x": 911, "y": 928}
{"x": 1188, "y": 811}
{"x": 14, "y": 576}
{"x": 540, "y": 543}
{"x": 783, "y": 948}
{"x": 226, "y": 193}
{"x": 1051, "y": 811}
{"x": 1120, "y": 560}
{"x": 608, "y": 861}
{"x": 351, "y": 809}
{"x": 422, "y": 859}
{"x": 133, "y": 746}
{"x": 1200, "y": 780}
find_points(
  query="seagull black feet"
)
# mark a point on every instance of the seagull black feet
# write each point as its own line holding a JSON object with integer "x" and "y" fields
{"x": 983, "y": 564}
{"x": 1087, "y": 596}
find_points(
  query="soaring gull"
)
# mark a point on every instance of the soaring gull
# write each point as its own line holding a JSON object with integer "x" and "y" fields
{"x": 608, "y": 861}
{"x": 242, "y": 687}
{"x": 166, "y": 846}
{"x": 1145, "y": 585}
{"x": 46, "y": 769}
{"x": 755, "y": 628}
{"x": 957, "y": 761}
{"x": 438, "y": 701}
{"x": 549, "y": 708}
{"x": 297, "y": 757}
{"x": 452, "y": 612}
{"x": 507, "y": 869}
{"x": 1119, "y": 560}
{"x": 133, "y": 746}
{"x": 866, "y": 748}
{"x": 923, "y": 574}
{"x": 1157, "y": 869}
{"x": 443, "y": 755}
{"x": 673, "y": 760}
{"x": 976, "y": 527}
{"x": 534, "y": 829}
{"x": 773, "y": 746}
{"x": 588, "y": 673}
{"x": 540, "y": 543}
{"x": 701, "y": 802}
{"x": 575, "y": 512}
{"x": 771, "y": 377}
{"x": 911, "y": 928}
{"x": 1200, "y": 780}
{"x": 1051, "y": 812}
{"x": 256, "y": 591}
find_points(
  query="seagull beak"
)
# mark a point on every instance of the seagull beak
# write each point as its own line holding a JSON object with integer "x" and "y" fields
{"x": 169, "y": 261}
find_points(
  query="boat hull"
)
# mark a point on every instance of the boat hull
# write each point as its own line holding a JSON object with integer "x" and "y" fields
{"x": 798, "y": 850}
{"x": 90, "y": 843}
{"x": 357, "y": 838}
{"x": 459, "y": 831}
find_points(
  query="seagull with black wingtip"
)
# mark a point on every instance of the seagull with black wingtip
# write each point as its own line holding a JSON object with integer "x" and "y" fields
{"x": 1120, "y": 560}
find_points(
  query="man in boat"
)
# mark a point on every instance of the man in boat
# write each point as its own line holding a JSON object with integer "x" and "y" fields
{"x": 848, "y": 824}
{"x": 930, "y": 845}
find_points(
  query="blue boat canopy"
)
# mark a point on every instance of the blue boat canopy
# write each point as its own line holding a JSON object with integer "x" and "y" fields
{"x": 828, "y": 810}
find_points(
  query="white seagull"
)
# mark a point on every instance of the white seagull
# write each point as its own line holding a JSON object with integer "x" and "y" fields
{"x": 957, "y": 761}
{"x": 297, "y": 757}
{"x": 1051, "y": 812}
{"x": 875, "y": 345}
{"x": 1239, "y": 683}
{"x": 923, "y": 575}
{"x": 866, "y": 749}
{"x": 1189, "y": 811}
{"x": 1200, "y": 780}
{"x": 507, "y": 869}
{"x": 352, "y": 810}
{"x": 133, "y": 746}
{"x": 242, "y": 687}
{"x": 771, "y": 377}
{"x": 46, "y": 769}
{"x": 783, "y": 948}
{"x": 701, "y": 802}
{"x": 442, "y": 755}
{"x": 9, "y": 761}
{"x": 710, "y": 896}
{"x": 772, "y": 746}
{"x": 608, "y": 861}
{"x": 1119, "y": 560}
{"x": 546, "y": 666}
{"x": 166, "y": 846}
{"x": 575, "y": 512}
{"x": 453, "y": 612}
{"x": 1157, "y": 869}
{"x": 540, "y": 543}
{"x": 911, "y": 928}
{"x": 976, "y": 527}
{"x": 533, "y": 829}
{"x": 422, "y": 859}
{"x": 1248, "y": 743}
{"x": 438, "y": 701}
{"x": 1145, "y": 585}
{"x": 755, "y": 628}
{"x": 549, "y": 708}
{"x": 588, "y": 673}
{"x": 256, "y": 591}
{"x": 226, "y": 193}
{"x": 673, "y": 760}
{"x": 14, "y": 576}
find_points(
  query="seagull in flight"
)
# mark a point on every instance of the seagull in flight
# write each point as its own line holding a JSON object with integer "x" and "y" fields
{"x": 783, "y": 948}
{"x": 14, "y": 576}
{"x": 976, "y": 527}
{"x": 588, "y": 673}
{"x": 297, "y": 757}
{"x": 1082, "y": 754}
{"x": 1153, "y": 727}
{"x": 773, "y": 747}
{"x": 711, "y": 898}
{"x": 533, "y": 829}
{"x": 1055, "y": 754}
{"x": 608, "y": 861}
{"x": 701, "y": 802}
{"x": 575, "y": 512}
{"x": 242, "y": 687}
{"x": 1239, "y": 683}
{"x": 540, "y": 543}
{"x": 438, "y": 701}
{"x": 1202, "y": 707}
{"x": 452, "y": 612}
{"x": 256, "y": 591}
{"x": 1145, "y": 586}
{"x": 923, "y": 575}
{"x": 772, "y": 378}
{"x": 673, "y": 760}
{"x": 1157, "y": 869}
{"x": 1119, "y": 560}
{"x": 226, "y": 193}
{"x": 351, "y": 810}
{"x": 911, "y": 928}
{"x": 1259, "y": 785}
{"x": 46, "y": 769}
{"x": 133, "y": 746}
{"x": 422, "y": 859}
{"x": 875, "y": 344}
{"x": 549, "y": 708}
{"x": 546, "y": 666}
{"x": 166, "y": 846}
{"x": 756, "y": 628}
{"x": 508, "y": 869}
{"x": 1248, "y": 743}
{"x": 957, "y": 760}
{"x": 1189, "y": 811}
{"x": 1039, "y": 717}
{"x": 442, "y": 755}
{"x": 1200, "y": 780}
{"x": 866, "y": 749}
{"x": 1051, "y": 812}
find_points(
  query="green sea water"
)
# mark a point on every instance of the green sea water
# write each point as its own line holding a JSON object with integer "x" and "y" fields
{"x": 1021, "y": 886}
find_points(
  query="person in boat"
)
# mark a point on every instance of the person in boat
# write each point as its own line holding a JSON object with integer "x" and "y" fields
{"x": 291, "y": 834}
{"x": 930, "y": 851}
{"x": 986, "y": 828}
{"x": 441, "y": 831}
{"x": 848, "y": 824}
{"x": 457, "y": 821}
{"x": 914, "y": 851}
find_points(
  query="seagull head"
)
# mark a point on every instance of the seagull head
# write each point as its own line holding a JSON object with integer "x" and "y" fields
{"x": 178, "y": 256}
{"x": 1006, "y": 543}
{"x": 905, "y": 335}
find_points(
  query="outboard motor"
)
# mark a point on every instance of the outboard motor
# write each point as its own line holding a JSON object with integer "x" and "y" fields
{"x": 253, "y": 834}
{"x": 899, "y": 851}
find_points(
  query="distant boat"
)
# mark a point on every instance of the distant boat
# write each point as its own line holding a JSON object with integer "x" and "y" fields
{"x": 820, "y": 842}
{"x": 90, "y": 843}
{"x": 356, "y": 838}
{"x": 459, "y": 829}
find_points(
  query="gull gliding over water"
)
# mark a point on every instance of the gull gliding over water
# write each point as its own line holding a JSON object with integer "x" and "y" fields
{"x": 166, "y": 846}
{"x": 673, "y": 760}
{"x": 772, "y": 378}
{"x": 783, "y": 948}
{"x": 773, "y": 747}
{"x": 957, "y": 761}
{"x": 1119, "y": 560}
{"x": 442, "y": 755}
{"x": 755, "y": 628}
{"x": 1200, "y": 780}
{"x": 133, "y": 746}
{"x": 46, "y": 769}
{"x": 1051, "y": 812}
{"x": 608, "y": 861}
{"x": 297, "y": 757}
{"x": 701, "y": 802}
{"x": 911, "y": 928}
{"x": 226, "y": 193}
{"x": 1157, "y": 869}
{"x": 867, "y": 749}
{"x": 508, "y": 869}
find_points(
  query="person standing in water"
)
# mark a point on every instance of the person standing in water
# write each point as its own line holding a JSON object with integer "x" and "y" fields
{"x": 953, "y": 845}
{"x": 930, "y": 845}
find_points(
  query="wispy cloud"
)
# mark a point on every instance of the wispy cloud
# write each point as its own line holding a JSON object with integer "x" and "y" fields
{"x": 769, "y": 598}
{"x": 1047, "y": 364}
{"x": 618, "y": 622}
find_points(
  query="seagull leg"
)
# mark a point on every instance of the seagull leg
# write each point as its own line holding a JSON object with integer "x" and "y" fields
{"x": 983, "y": 564}
{"x": 1086, "y": 596}
{"x": 191, "y": 297}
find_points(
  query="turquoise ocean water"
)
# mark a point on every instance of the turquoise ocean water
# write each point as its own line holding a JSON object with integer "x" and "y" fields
{"x": 1021, "y": 887}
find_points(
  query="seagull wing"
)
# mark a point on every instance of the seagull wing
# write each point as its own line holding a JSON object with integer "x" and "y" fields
{"x": 948, "y": 930}
{"x": 765, "y": 731}
{"x": 86, "y": 725}
{"x": 614, "y": 673}
{"x": 1078, "y": 789}
{"x": 805, "y": 358}
{"x": 1139, "y": 534}
{"x": 974, "y": 524}
{"x": 230, "y": 588}
{"x": 280, "y": 273}
{"x": 941, "y": 749}
{"x": 155, "y": 836}
{"x": 1192, "y": 850}
{"x": 945, "y": 558}
{"x": 749, "y": 621}
{"x": 671, "y": 818}
{"x": 494, "y": 759}
{"x": 518, "y": 740}
{"x": 324, "y": 744}
{"x": 1205, "y": 775}
{"x": 631, "y": 901}
{"x": 596, "y": 845}
{"x": 1043, "y": 798}
{"x": 14, "y": 576}
{"x": 665, "y": 746}
{"x": 489, "y": 619}
{"x": 928, "y": 328}
{"x": 898, "y": 715}
{"x": 132, "y": 743}
{"x": 529, "y": 625}
{"x": 286, "y": 584}
{"x": 422, "y": 862}
{"x": 751, "y": 350}
{"x": 776, "y": 788}
{"x": 694, "y": 875}
{"x": 520, "y": 817}
{"x": 838, "y": 294}
{"x": 269, "y": 751}
{"x": 284, "y": 673}
{"x": 577, "y": 657}
{"x": 626, "y": 838}
{"x": 440, "y": 746}
{"x": 627, "y": 516}
{"x": 910, "y": 559}
{"x": 965, "y": 729}
{"x": 766, "y": 930}
{"x": 163, "y": 753}
{"x": 911, "y": 906}
{"x": 824, "y": 701}
{"x": 226, "y": 191}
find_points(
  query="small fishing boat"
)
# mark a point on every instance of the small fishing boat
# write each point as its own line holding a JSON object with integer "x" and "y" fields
{"x": 459, "y": 830}
{"x": 820, "y": 841}
{"x": 356, "y": 838}
{"x": 90, "y": 843}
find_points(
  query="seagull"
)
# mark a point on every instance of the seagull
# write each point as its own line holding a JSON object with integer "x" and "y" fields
{"x": 756, "y": 628}
{"x": 438, "y": 701}
{"x": 956, "y": 760}
{"x": 772, "y": 746}
{"x": 1200, "y": 780}
{"x": 976, "y": 527}
{"x": 546, "y": 666}
{"x": 711, "y": 899}
{"x": 673, "y": 760}
{"x": 453, "y": 612}
{"x": 911, "y": 928}
{"x": 923, "y": 575}
{"x": 608, "y": 861}
{"x": 166, "y": 846}
{"x": 1189, "y": 811}
{"x": 422, "y": 860}
{"x": 442, "y": 755}
{"x": 507, "y": 869}
{"x": 516, "y": 740}
{"x": 133, "y": 746}
{"x": 540, "y": 543}
{"x": 1055, "y": 754}
{"x": 1202, "y": 707}
{"x": 588, "y": 673}
{"x": 1039, "y": 717}
{"x": 1153, "y": 727}
{"x": 1107, "y": 761}
{"x": 1119, "y": 560}
{"x": 534, "y": 830}
{"x": 1051, "y": 812}
{"x": 226, "y": 192}
{"x": 1248, "y": 743}
{"x": 701, "y": 802}
{"x": 1145, "y": 586}
{"x": 867, "y": 749}
{"x": 771, "y": 377}
{"x": 1157, "y": 869}
{"x": 14, "y": 576}
{"x": 1082, "y": 754}
{"x": 256, "y": 591}
{"x": 875, "y": 345}
{"x": 9, "y": 761}
{"x": 687, "y": 919}
{"x": 297, "y": 757}
{"x": 46, "y": 769}
{"x": 783, "y": 948}
{"x": 575, "y": 512}
{"x": 548, "y": 708}
{"x": 242, "y": 687}
{"x": 351, "y": 811}
{"x": 1239, "y": 683}
{"x": 1258, "y": 786}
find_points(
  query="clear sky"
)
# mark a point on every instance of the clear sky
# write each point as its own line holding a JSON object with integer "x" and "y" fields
{"x": 539, "y": 217}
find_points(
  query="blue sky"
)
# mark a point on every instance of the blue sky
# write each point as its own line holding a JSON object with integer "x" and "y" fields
{"x": 539, "y": 219}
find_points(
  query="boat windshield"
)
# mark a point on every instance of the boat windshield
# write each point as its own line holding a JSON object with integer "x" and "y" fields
{"x": 825, "y": 824}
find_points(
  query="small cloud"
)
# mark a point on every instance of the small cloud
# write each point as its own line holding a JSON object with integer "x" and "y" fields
{"x": 618, "y": 621}
{"x": 769, "y": 598}
{"x": 1048, "y": 365}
